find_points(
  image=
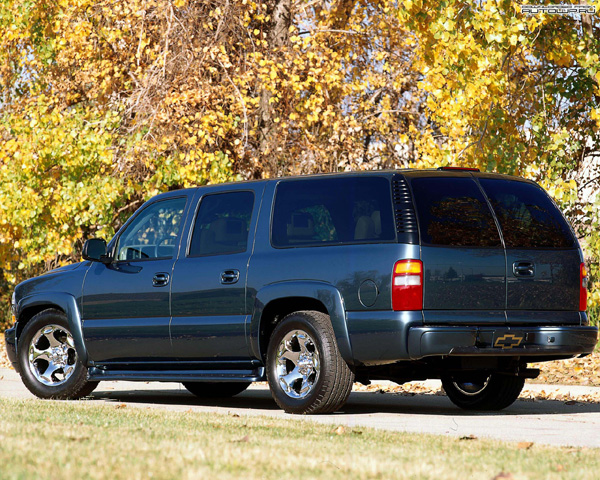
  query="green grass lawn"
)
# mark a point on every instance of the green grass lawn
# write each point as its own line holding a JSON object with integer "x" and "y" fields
{"x": 44, "y": 439}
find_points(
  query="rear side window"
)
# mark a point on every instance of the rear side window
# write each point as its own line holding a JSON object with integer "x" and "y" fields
{"x": 222, "y": 224}
{"x": 331, "y": 211}
{"x": 453, "y": 211}
{"x": 527, "y": 216}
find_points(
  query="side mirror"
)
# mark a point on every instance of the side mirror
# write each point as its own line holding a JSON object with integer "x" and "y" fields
{"x": 94, "y": 249}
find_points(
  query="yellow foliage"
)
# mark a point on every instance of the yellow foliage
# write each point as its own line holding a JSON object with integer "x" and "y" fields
{"x": 106, "y": 103}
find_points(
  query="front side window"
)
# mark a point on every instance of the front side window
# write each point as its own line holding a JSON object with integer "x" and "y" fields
{"x": 453, "y": 212}
{"x": 331, "y": 211}
{"x": 154, "y": 232}
{"x": 222, "y": 224}
{"x": 527, "y": 216}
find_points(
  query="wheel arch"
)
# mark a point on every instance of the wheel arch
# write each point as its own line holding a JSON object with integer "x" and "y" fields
{"x": 275, "y": 301}
{"x": 31, "y": 305}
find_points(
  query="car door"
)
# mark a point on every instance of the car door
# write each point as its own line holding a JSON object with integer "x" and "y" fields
{"x": 208, "y": 293}
{"x": 462, "y": 252}
{"x": 543, "y": 258}
{"x": 125, "y": 304}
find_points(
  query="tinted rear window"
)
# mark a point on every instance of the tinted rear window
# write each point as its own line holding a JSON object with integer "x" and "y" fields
{"x": 453, "y": 211}
{"x": 527, "y": 216}
{"x": 333, "y": 211}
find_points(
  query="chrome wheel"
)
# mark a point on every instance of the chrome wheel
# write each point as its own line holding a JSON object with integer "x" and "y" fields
{"x": 472, "y": 388}
{"x": 52, "y": 356}
{"x": 297, "y": 364}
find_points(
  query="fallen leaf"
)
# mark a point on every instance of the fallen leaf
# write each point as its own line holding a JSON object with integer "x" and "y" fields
{"x": 120, "y": 405}
{"x": 559, "y": 468}
{"x": 524, "y": 445}
{"x": 574, "y": 371}
{"x": 340, "y": 430}
{"x": 244, "y": 439}
{"x": 502, "y": 475}
{"x": 235, "y": 415}
{"x": 468, "y": 437}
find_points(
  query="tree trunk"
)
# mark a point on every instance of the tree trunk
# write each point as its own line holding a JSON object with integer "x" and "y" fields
{"x": 278, "y": 37}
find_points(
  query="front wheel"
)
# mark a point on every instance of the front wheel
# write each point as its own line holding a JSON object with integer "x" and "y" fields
{"x": 48, "y": 361}
{"x": 483, "y": 391}
{"x": 305, "y": 370}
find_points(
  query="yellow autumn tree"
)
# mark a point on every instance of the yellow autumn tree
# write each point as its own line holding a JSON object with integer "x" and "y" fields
{"x": 513, "y": 93}
{"x": 107, "y": 103}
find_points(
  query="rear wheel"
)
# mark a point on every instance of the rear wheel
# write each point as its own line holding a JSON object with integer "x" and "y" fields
{"x": 483, "y": 391}
{"x": 216, "y": 389}
{"x": 48, "y": 361}
{"x": 305, "y": 370}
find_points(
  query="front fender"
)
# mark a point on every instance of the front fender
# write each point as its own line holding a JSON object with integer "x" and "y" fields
{"x": 67, "y": 304}
{"x": 327, "y": 294}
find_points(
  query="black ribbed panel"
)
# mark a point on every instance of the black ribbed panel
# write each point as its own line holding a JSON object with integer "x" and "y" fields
{"x": 404, "y": 210}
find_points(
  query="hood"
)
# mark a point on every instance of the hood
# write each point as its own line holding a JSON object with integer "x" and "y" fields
{"x": 66, "y": 268}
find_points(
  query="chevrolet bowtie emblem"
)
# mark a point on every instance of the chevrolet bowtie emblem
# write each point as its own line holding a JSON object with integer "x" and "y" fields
{"x": 508, "y": 340}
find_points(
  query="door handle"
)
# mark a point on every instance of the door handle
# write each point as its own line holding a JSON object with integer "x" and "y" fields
{"x": 230, "y": 276}
{"x": 523, "y": 269}
{"x": 160, "y": 279}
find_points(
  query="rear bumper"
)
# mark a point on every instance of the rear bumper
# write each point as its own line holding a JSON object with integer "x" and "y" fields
{"x": 501, "y": 341}
{"x": 10, "y": 339}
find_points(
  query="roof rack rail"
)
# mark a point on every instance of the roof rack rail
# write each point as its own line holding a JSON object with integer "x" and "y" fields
{"x": 465, "y": 169}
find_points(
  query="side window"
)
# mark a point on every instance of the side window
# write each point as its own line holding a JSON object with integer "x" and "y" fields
{"x": 311, "y": 224}
{"x": 154, "y": 232}
{"x": 527, "y": 216}
{"x": 330, "y": 211}
{"x": 222, "y": 224}
{"x": 453, "y": 211}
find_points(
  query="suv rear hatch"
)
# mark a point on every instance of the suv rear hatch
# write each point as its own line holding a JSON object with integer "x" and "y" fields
{"x": 464, "y": 262}
{"x": 543, "y": 259}
{"x": 495, "y": 250}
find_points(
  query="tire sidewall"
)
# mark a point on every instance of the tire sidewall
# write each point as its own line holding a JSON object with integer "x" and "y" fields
{"x": 486, "y": 399}
{"x": 296, "y": 322}
{"x": 63, "y": 391}
{"x": 467, "y": 401}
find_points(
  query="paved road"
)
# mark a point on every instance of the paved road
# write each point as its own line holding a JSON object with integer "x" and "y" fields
{"x": 548, "y": 422}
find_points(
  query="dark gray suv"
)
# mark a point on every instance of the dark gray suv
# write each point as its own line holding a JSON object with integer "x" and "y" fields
{"x": 312, "y": 283}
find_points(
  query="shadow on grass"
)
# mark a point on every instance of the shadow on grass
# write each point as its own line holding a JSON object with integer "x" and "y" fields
{"x": 359, "y": 403}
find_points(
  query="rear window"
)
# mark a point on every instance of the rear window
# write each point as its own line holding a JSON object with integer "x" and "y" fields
{"x": 332, "y": 211}
{"x": 527, "y": 215}
{"x": 453, "y": 212}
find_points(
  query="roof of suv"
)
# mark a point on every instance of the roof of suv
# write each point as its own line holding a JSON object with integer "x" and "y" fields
{"x": 407, "y": 172}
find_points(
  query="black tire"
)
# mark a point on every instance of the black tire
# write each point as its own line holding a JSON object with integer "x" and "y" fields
{"x": 216, "y": 389}
{"x": 74, "y": 383}
{"x": 483, "y": 392}
{"x": 330, "y": 387}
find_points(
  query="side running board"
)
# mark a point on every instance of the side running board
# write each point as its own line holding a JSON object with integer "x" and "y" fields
{"x": 97, "y": 374}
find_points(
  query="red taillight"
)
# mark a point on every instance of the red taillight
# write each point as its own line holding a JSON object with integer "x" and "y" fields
{"x": 583, "y": 283}
{"x": 407, "y": 285}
